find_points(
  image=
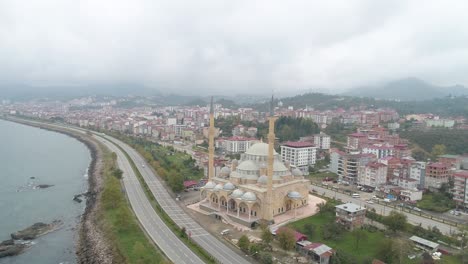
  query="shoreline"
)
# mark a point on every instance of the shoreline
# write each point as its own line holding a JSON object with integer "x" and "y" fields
{"x": 90, "y": 242}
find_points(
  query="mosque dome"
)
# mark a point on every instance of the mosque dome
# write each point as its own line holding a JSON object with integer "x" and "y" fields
{"x": 262, "y": 179}
{"x": 225, "y": 171}
{"x": 247, "y": 165}
{"x": 294, "y": 195}
{"x": 259, "y": 149}
{"x": 237, "y": 193}
{"x": 218, "y": 187}
{"x": 297, "y": 172}
{"x": 209, "y": 185}
{"x": 229, "y": 186}
{"x": 249, "y": 196}
{"x": 234, "y": 161}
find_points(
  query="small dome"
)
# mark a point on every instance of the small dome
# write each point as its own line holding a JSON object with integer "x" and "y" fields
{"x": 234, "y": 161}
{"x": 209, "y": 185}
{"x": 229, "y": 186}
{"x": 297, "y": 172}
{"x": 263, "y": 165}
{"x": 247, "y": 165}
{"x": 262, "y": 179}
{"x": 237, "y": 193}
{"x": 225, "y": 171}
{"x": 294, "y": 195}
{"x": 218, "y": 187}
{"x": 249, "y": 196}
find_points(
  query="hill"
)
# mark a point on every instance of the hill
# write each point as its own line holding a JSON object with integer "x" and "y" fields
{"x": 408, "y": 89}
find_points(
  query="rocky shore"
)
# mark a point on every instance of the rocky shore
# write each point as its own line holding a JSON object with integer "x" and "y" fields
{"x": 91, "y": 244}
{"x": 19, "y": 240}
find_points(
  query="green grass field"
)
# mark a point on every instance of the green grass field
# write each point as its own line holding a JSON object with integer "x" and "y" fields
{"x": 436, "y": 202}
{"x": 367, "y": 248}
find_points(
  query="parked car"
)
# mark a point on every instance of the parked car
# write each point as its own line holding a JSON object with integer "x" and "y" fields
{"x": 417, "y": 209}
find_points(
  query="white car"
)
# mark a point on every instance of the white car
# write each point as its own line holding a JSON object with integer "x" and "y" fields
{"x": 369, "y": 202}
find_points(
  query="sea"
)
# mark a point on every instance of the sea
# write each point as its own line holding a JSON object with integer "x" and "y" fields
{"x": 31, "y": 156}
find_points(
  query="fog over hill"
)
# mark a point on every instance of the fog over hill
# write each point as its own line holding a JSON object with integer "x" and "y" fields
{"x": 408, "y": 89}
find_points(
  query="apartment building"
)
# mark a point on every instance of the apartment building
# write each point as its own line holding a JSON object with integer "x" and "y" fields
{"x": 460, "y": 188}
{"x": 436, "y": 174}
{"x": 299, "y": 154}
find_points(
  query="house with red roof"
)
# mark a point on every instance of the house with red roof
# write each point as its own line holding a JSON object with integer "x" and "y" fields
{"x": 318, "y": 252}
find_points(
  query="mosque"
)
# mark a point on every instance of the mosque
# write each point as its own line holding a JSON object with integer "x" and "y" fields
{"x": 256, "y": 188}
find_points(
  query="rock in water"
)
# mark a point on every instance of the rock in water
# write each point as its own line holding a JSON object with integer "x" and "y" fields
{"x": 36, "y": 230}
{"x": 9, "y": 248}
{"x": 43, "y": 186}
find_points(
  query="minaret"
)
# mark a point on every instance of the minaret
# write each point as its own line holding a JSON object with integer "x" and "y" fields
{"x": 271, "y": 146}
{"x": 211, "y": 132}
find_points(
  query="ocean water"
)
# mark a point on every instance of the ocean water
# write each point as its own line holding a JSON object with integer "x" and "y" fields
{"x": 51, "y": 158}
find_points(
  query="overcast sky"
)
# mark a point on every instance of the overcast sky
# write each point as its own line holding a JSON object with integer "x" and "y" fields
{"x": 242, "y": 46}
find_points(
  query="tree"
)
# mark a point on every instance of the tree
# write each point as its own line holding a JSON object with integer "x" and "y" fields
{"x": 358, "y": 235}
{"x": 395, "y": 221}
{"x": 175, "y": 181}
{"x": 265, "y": 258}
{"x": 244, "y": 243}
{"x": 286, "y": 238}
{"x": 393, "y": 250}
{"x": 266, "y": 236}
{"x": 116, "y": 172}
{"x": 438, "y": 150}
{"x": 325, "y": 207}
{"x": 332, "y": 230}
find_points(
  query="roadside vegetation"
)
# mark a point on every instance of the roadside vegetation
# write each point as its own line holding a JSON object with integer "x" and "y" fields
{"x": 172, "y": 166}
{"x": 120, "y": 224}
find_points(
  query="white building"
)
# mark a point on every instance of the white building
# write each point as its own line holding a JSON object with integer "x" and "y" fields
{"x": 322, "y": 141}
{"x": 380, "y": 151}
{"x": 418, "y": 172}
{"x": 238, "y": 144}
{"x": 299, "y": 154}
{"x": 373, "y": 174}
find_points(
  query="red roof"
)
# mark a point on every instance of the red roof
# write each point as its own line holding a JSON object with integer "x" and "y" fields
{"x": 461, "y": 174}
{"x": 298, "y": 144}
{"x": 438, "y": 165}
{"x": 188, "y": 184}
{"x": 297, "y": 235}
{"x": 357, "y": 135}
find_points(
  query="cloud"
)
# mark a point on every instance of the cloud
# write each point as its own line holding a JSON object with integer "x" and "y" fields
{"x": 225, "y": 46}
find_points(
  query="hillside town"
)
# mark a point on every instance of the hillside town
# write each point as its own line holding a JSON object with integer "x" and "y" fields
{"x": 366, "y": 159}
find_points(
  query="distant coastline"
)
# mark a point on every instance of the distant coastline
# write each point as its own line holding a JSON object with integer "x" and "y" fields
{"x": 91, "y": 246}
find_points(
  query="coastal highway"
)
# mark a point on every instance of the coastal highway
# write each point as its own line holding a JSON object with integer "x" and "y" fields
{"x": 385, "y": 210}
{"x": 164, "y": 238}
{"x": 221, "y": 252}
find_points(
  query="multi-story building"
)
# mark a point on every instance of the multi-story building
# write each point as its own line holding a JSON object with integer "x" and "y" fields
{"x": 350, "y": 215}
{"x": 379, "y": 150}
{"x": 346, "y": 165}
{"x": 373, "y": 174}
{"x": 460, "y": 188}
{"x": 238, "y": 144}
{"x": 418, "y": 172}
{"x": 299, "y": 154}
{"x": 436, "y": 174}
{"x": 322, "y": 141}
{"x": 356, "y": 141}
